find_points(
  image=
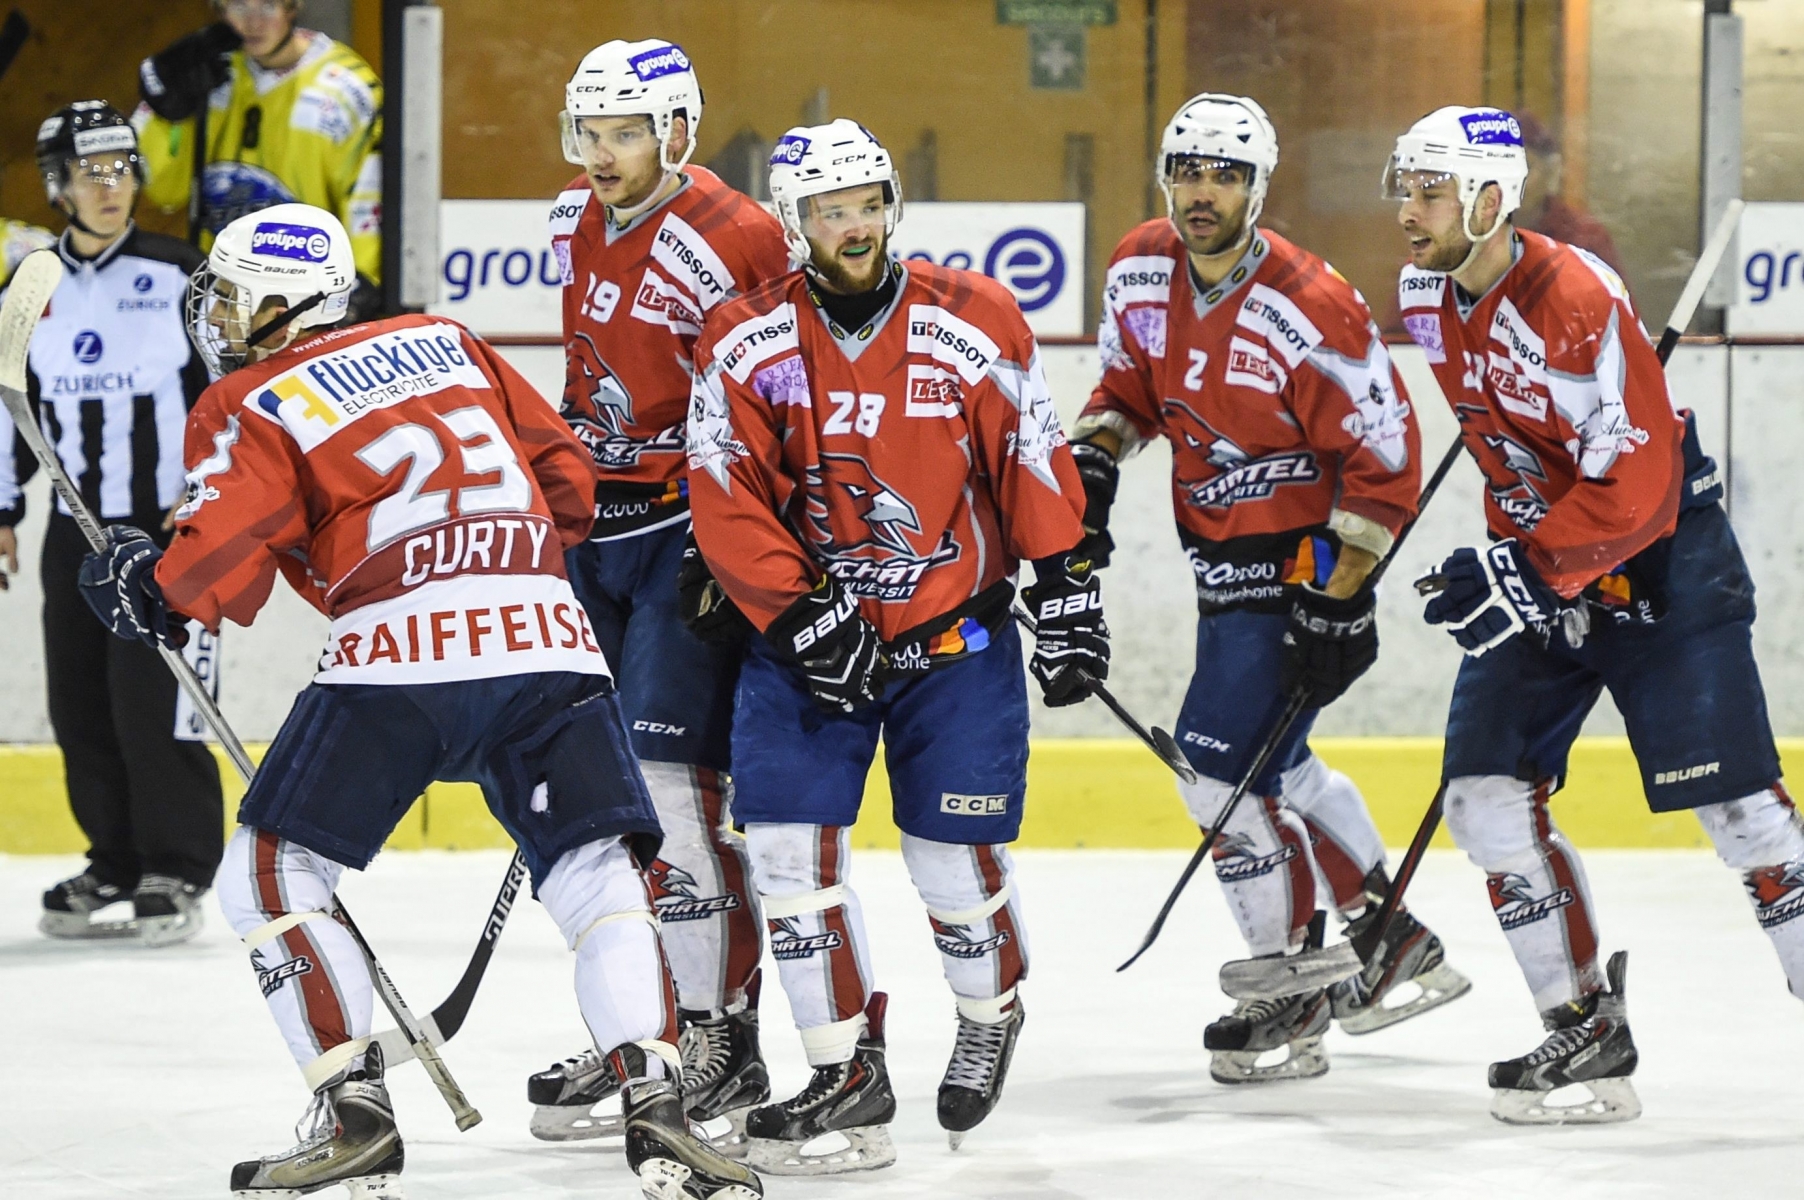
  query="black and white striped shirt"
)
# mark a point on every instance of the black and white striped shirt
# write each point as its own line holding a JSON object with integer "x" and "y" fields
{"x": 112, "y": 377}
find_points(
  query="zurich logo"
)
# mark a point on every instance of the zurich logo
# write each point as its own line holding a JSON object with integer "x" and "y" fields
{"x": 88, "y": 346}
{"x": 142, "y": 284}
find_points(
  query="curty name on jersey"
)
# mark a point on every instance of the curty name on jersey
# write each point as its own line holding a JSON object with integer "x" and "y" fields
{"x": 1255, "y": 480}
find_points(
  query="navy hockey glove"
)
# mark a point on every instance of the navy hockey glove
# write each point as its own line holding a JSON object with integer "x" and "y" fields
{"x": 838, "y": 650}
{"x": 1329, "y": 643}
{"x": 1490, "y": 596}
{"x": 1096, "y": 467}
{"x": 706, "y": 609}
{"x": 1066, "y": 605}
{"x": 120, "y": 585}
{"x": 176, "y": 81}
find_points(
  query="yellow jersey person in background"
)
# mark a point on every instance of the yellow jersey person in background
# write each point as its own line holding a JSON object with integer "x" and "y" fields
{"x": 291, "y": 115}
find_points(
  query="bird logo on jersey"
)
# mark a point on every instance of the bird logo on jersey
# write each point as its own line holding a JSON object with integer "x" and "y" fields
{"x": 1520, "y": 501}
{"x": 1778, "y": 893}
{"x": 788, "y": 942}
{"x": 1516, "y": 904}
{"x": 860, "y": 526}
{"x": 600, "y": 409}
{"x": 1239, "y": 476}
{"x": 676, "y": 895}
{"x": 955, "y": 941}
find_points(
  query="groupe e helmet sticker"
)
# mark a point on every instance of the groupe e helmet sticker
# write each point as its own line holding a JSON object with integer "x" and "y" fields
{"x": 304, "y": 243}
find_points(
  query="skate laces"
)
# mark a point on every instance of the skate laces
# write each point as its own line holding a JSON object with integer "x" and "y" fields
{"x": 707, "y": 1052}
{"x": 975, "y": 1054}
{"x": 827, "y": 1080}
{"x": 318, "y": 1123}
{"x": 1256, "y": 1012}
{"x": 1560, "y": 1043}
{"x": 579, "y": 1065}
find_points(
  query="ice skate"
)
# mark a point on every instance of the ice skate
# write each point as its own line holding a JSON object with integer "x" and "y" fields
{"x": 69, "y": 910}
{"x": 565, "y": 1094}
{"x": 974, "y": 1077}
{"x": 1408, "y": 975}
{"x": 347, "y": 1138}
{"x": 1588, "y": 1045}
{"x": 838, "y": 1123}
{"x": 724, "y": 1077}
{"x": 1256, "y": 1029}
{"x": 672, "y": 1163}
{"x": 167, "y": 910}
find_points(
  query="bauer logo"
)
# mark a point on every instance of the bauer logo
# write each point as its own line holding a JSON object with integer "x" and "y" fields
{"x": 654, "y": 64}
{"x": 789, "y": 151}
{"x": 303, "y": 243}
{"x": 1492, "y": 127}
{"x": 973, "y": 806}
{"x": 1686, "y": 774}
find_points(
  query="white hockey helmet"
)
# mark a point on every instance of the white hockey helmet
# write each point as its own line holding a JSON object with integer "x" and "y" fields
{"x": 293, "y": 251}
{"x": 1221, "y": 128}
{"x": 652, "y": 78}
{"x": 1477, "y": 146}
{"x": 812, "y": 160}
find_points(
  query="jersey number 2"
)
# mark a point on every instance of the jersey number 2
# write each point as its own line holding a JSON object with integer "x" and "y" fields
{"x": 1193, "y": 378}
{"x": 485, "y": 451}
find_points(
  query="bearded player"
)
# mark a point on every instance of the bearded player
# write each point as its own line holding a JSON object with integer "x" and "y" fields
{"x": 1295, "y": 464}
{"x": 648, "y": 246}
{"x": 414, "y": 488}
{"x": 1611, "y": 565}
{"x": 872, "y": 451}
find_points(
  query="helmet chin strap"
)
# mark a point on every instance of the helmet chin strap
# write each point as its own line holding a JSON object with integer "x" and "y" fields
{"x": 1478, "y": 240}
{"x": 264, "y": 332}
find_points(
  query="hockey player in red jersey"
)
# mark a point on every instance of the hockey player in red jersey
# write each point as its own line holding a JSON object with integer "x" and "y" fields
{"x": 416, "y": 490}
{"x": 649, "y": 246}
{"x": 1295, "y": 463}
{"x": 872, "y": 451}
{"x": 1611, "y": 565}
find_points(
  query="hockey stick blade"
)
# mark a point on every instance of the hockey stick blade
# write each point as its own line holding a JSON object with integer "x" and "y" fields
{"x": 1275, "y": 978}
{"x": 27, "y": 295}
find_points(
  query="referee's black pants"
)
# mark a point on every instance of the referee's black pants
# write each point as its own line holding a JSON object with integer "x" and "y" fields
{"x": 147, "y": 802}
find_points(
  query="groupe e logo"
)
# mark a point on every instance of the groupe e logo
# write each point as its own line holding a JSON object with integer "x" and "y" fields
{"x": 1028, "y": 261}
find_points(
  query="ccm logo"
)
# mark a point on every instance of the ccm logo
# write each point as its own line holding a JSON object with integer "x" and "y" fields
{"x": 1684, "y": 773}
{"x": 660, "y": 727}
{"x": 973, "y": 806}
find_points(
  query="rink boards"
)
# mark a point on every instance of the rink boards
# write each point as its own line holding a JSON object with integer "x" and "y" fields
{"x": 1082, "y": 793}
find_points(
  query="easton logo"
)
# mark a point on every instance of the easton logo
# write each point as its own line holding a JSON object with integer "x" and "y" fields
{"x": 653, "y": 64}
{"x": 1516, "y": 905}
{"x": 788, "y": 943}
{"x": 303, "y": 243}
{"x": 271, "y": 980}
{"x": 1661, "y": 778}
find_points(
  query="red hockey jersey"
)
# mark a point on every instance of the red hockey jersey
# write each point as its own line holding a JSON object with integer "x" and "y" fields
{"x": 411, "y": 485}
{"x": 918, "y": 465}
{"x": 1563, "y": 403}
{"x": 634, "y": 302}
{"x": 1277, "y": 395}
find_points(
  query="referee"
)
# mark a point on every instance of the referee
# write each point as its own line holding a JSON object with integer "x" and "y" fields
{"x": 112, "y": 379}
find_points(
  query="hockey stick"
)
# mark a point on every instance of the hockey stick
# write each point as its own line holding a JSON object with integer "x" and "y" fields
{"x": 12, "y": 39}
{"x": 1156, "y": 739}
{"x": 32, "y": 286}
{"x": 1294, "y": 704}
{"x": 1270, "y": 978}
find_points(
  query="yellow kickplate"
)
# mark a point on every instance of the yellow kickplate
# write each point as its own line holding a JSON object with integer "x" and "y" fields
{"x": 1081, "y": 792}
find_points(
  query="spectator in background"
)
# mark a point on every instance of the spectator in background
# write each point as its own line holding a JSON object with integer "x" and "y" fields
{"x": 1545, "y": 210}
{"x": 290, "y": 115}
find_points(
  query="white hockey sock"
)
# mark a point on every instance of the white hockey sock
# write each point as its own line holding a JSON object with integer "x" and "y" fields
{"x": 701, "y": 887}
{"x": 623, "y": 987}
{"x": 1263, "y": 862}
{"x": 1342, "y": 837}
{"x": 313, "y": 975}
{"x": 975, "y": 913}
{"x": 816, "y": 932}
{"x": 1762, "y": 837}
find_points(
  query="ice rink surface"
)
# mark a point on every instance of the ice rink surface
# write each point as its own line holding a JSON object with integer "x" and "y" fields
{"x": 148, "y": 1073}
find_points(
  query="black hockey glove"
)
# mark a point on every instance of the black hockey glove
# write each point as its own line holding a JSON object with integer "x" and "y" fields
{"x": 1066, "y": 605}
{"x": 707, "y": 611}
{"x": 120, "y": 585}
{"x": 838, "y": 650}
{"x": 176, "y": 81}
{"x": 1096, "y": 467}
{"x": 1329, "y": 643}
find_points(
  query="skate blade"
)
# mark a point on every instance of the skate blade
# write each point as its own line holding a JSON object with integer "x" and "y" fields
{"x": 1612, "y": 1100}
{"x": 867, "y": 1148}
{"x": 1276, "y": 978}
{"x": 170, "y": 930}
{"x": 955, "y": 1138}
{"x": 76, "y": 927}
{"x": 574, "y": 1123}
{"x": 1303, "y": 1059}
{"x": 364, "y": 1187}
{"x": 662, "y": 1179}
{"x": 726, "y": 1133}
{"x": 1438, "y": 986}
